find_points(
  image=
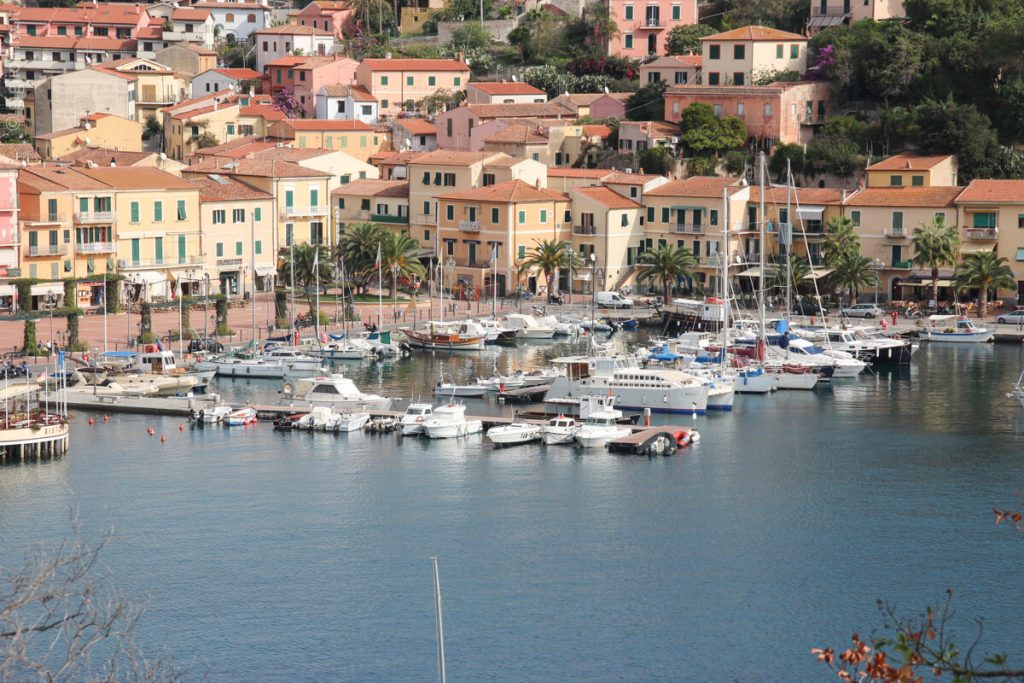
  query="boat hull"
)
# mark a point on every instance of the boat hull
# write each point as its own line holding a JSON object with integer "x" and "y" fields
{"x": 980, "y": 337}
{"x": 587, "y": 438}
{"x": 451, "y": 430}
{"x": 514, "y": 436}
{"x": 559, "y": 436}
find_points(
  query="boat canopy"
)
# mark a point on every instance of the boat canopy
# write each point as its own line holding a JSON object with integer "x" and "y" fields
{"x": 16, "y": 390}
{"x": 941, "y": 318}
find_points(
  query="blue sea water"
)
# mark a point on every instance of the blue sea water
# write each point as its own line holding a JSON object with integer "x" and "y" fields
{"x": 297, "y": 557}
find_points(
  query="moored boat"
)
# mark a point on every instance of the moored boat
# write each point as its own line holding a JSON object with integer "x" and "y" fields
{"x": 560, "y": 430}
{"x": 241, "y": 417}
{"x": 449, "y": 421}
{"x": 514, "y": 434}
{"x": 956, "y": 330}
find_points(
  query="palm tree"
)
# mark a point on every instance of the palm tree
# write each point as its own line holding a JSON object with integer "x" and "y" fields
{"x": 398, "y": 258}
{"x": 304, "y": 257}
{"x": 936, "y": 245}
{"x": 666, "y": 265}
{"x": 358, "y": 246}
{"x": 984, "y": 271}
{"x": 548, "y": 256}
{"x": 852, "y": 272}
{"x": 799, "y": 269}
{"x": 840, "y": 241}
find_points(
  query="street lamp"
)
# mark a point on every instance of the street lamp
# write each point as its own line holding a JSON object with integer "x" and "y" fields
{"x": 877, "y": 265}
{"x": 570, "y": 254}
{"x": 449, "y": 266}
{"x": 51, "y": 303}
{"x": 593, "y": 289}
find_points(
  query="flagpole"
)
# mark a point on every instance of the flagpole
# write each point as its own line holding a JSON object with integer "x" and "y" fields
{"x": 494, "y": 280}
{"x": 380, "y": 289}
{"x": 316, "y": 271}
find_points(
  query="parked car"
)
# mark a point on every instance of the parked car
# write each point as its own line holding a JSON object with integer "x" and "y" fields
{"x": 1015, "y": 317}
{"x": 863, "y": 311}
{"x": 809, "y": 307}
{"x": 209, "y": 345}
{"x": 613, "y": 300}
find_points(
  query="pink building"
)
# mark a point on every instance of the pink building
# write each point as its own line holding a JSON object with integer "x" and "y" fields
{"x": 310, "y": 76}
{"x": 644, "y": 26}
{"x": 467, "y": 127}
{"x": 608, "y": 105}
{"x": 8, "y": 220}
{"x": 328, "y": 15}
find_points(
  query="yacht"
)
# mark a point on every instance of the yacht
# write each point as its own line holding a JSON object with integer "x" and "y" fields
{"x": 460, "y": 390}
{"x": 561, "y": 329}
{"x": 343, "y": 349}
{"x": 560, "y": 430}
{"x": 449, "y": 421}
{"x": 527, "y": 327}
{"x": 334, "y": 390}
{"x": 600, "y": 427}
{"x": 496, "y": 332}
{"x": 515, "y": 434}
{"x": 293, "y": 358}
{"x": 415, "y": 415}
{"x": 869, "y": 348}
{"x": 633, "y": 387}
{"x": 244, "y": 365}
{"x": 844, "y": 364}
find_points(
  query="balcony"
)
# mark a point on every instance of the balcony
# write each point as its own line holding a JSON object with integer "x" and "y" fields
{"x": 902, "y": 265}
{"x": 653, "y": 23}
{"x": 712, "y": 261}
{"x": 95, "y": 216}
{"x": 41, "y": 64}
{"x": 386, "y": 218}
{"x": 426, "y": 219}
{"x": 94, "y": 247}
{"x": 229, "y": 262}
{"x": 47, "y": 219}
{"x": 47, "y": 250}
{"x": 981, "y": 233}
{"x": 694, "y": 228}
{"x": 817, "y": 11}
{"x": 297, "y": 211}
{"x": 132, "y": 264}
{"x": 894, "y": 231}
{"x": 584, "y": 230}
{"x": 17, "y": 83}
{"x": 469, "y": 226}
{"x": 812, "y": 119}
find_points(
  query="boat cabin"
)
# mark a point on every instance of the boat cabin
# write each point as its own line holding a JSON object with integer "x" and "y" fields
{"x": 951, "y": 324}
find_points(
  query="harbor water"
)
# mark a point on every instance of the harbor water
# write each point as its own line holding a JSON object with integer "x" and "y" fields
{"x": 267, "y": 556}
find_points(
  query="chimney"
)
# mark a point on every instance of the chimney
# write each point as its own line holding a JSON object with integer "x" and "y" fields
{"x": 844, "y": 195}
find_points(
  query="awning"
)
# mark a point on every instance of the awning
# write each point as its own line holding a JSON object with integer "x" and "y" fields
{"x": 975, "y": 248}
{"x": 8, "y": 290}
{"x": 824, "y": 22}
{"x": 818, "y": 274}
{"x": 264, "y": 271}
{"x": 756, "y": 272}
{"x": 425, "y": 253}
{"x": 812, "y": 213}
{"x": 48, "y": 288}
{"x": 147, "y": 277}
{"x": 942, "y": 283}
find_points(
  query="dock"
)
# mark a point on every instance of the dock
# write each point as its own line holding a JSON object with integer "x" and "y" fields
{"x": 660, "y": 440}
{"x": 141, "y": 405}
{"x": 525, "y": 394}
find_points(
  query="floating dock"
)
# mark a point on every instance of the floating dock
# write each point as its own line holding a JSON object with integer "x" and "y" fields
{"x": 140, "y": 405}
{"x": 659, "y": 440}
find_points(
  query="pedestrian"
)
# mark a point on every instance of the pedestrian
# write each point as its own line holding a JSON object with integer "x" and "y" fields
{"x": 893, "y": 315}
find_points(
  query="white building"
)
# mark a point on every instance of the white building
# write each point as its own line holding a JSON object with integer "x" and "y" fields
{"x": 215, "y": 80}
{"x": 344, "y": 102}
{"x": 417, "y": 135}
{"x": 504, "y": 92}
{"x": 236, "y": 18}
{"x": 281, "y": 41}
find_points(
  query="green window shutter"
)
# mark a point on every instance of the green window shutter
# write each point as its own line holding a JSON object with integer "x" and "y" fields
{"x": 383, "y": 80}
{"x": 855, "y": 217}
{"x": 83, "y": 205}
{"x": 897, "y": 219}
{"x": 314, "y": 197}
{"x": 220, "y": 249}
{"x": 495, "y": 216}
{"x": 522, "y": 251}
{"x": 409, "y": 80}
{"x": 675, "y": 13}
{"x": 136, "y": 249}
{"x": 259, "y": 247}
{"x": 543, "y": 215}
{"x": 629, "y": 41}
{"x": 289, "y": 198}
{"x": 650, "y": 214}
{"x": 135, "y": 212}
{"x": 449, "y": 212}
{"x": 158, "y": 211}
{"x": 917, "y": 181}
{"x": 522, "y": 217}
{"x": 158, "y": 248}
{"x": 629, "y": 12}
{"x": 257, "y": 214}
{"x": 33, "y": 239}
{"x": 458, "y": 81}
{"x": 181, "y": 210}
{"x": 238, "y": 248}
{"x": 779, "y": 52}
{"x": 665, "y": 215}
{"x": 181, "y": 249}
{"x": 432, "y": 80}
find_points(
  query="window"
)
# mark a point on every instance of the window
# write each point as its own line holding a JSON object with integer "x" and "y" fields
{"x": 676, "y": 12}
{"x": 794, "y": 52}
{"x": 449, "y": 125}
{"x": 488, "y": 179}
{"x": 231, "y": 129}
{"x": 780, "y": 52}
{"x": 181, "y": 210}
{"x": 341, "y": 106}
{"x": 219, "y": 217}
{"x": 522, "y": 217}
{"x": 367, "y": 110}
{"x": 634, "y": 192}
{"x": 714, "y": 51}
{"x": 650, "y": 214}
{"x": 680, "y": 78}
{"x": 1020, "y": 220}
{"x": 449, "y": 179}
{"x": 653, "y": 77}
{"x": 628, "y": 41}
{"x": 158, "y": 211}
{"x": 383, "y": 80}
{"x": 1020, "y": 253}
{"x": 383, "y": 104}
{"x": 341, "y": 202}
{"x": 431, "y": 81}
{"x": 495, "y": 216}
{"x": 741, "y": 109}
{"x": 737, "y": 78}
{"x": 251, "y": 18}
{"x": 62, "y": 30}
{"x": 364, "y": 204}
{"x": 449, "y": 212}
{"x": 984, "y": 220}
{"x": 713, "y": 213}
{"x": 450, "y": 247}
{"x": 158, "y": 249}
{"x": 426, "y": 177}
{"x": 718, "y": 110}
{"x": 665, "y": 215}
{"x": 713, "y": 78}
{"x": 426, "y": 208}
{"x": 739, "y": 51}
{"x": 238, "y": 248}
{"x": 897, "y": 220}
{"x": 410, "y": 81}
{"x": 625, "y": 220}
{"x": 31, "y": 30}
{"x": 259, "y": 247}
{"x": 521, "y": 252}
{"x": 426, "y": 235}
{"x": 917, "y": 181}
{"x": 135, "y": 212}
{"x": 543, "y": 216}
{"x": 458, "y": 81}
{"x": 767, "y": 109}
{"x": 895, "y": 181}
{"x": 629, "y": 12}
{"x": 238, "y": 215}
{"x": 229, "y": 17}
{"x": 302, "y": 75}
{"x": 855, "y": 217}
{"x": 220, "y": 249}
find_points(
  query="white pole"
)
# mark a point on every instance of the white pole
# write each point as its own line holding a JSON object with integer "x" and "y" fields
{"x": 380, "y": 288}
{"x": 181, "y": 331}
{"x": 252, "y": 258}
{"x": 763, "y": 261}
{"x": 440, "y": 623}
{"x": 316, "y": 275}
{"x": 104, "y": 290}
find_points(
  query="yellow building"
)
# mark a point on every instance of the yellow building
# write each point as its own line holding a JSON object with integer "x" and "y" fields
{"x": 991, "y": 215}
{"x": 372, "y": 201}
{"x": 238, "y": 235}
{"x": 741, "y": 56}
{"x": 355, "y": 138}
{"x": 508, "y": 219}
{"x": 913, "y": 170}
{"x": 215, "y": 119}
{"x": 156, "y": 85}
{"x": 94, "y": 130}
{"x": 810, "y": 210}
{"x": 608, "y": 225}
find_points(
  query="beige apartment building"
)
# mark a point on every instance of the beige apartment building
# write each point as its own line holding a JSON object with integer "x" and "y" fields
{"x": 907, "y": 169}
{"x": 740, "y": 56}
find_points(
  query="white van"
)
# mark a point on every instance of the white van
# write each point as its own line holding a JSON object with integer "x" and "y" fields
{"x": 613, "y": 300}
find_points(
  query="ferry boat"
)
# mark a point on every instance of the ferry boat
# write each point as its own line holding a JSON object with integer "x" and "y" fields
{"x": 952, "y": 329}
{"x": 334, "y": 390}
{"x": 670, "y": 391}
{"x": 453, "y": 336}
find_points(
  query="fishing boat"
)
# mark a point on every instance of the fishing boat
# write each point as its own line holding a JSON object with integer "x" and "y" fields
{"x": 241, "y": 417}
{"x": 449, "y": 421}
{"x": 460, "y": 390}
{"x": 334, "y": 390}
{"x": 560, "y": 430}
{"x": 213, "y": 414}
{"x": 528, "y": 327}
{"x": 515, "y": 434}
{"x": 414, "y": 417}
{"x": 452, "y": 336}
{"x": 600, "y": 427}
{"x": 157, "y": 360}
{"x": 956, "y": 330}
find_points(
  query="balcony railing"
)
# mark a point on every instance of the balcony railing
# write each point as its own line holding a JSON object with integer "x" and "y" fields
{"x": 94, "y": 247}
{"x": 712, "y": 261}
{"x": 47, "y": 250}
{"x": 224, "y": 262}
{"x": 387, "y": 218}
{"x": 812, "y": 119}
{"x": 816, "y": 11}
{"x": 95, "y": 216}
{"x": 128, "y": 264}
{"x": 695, "y": 228}
{"x": 426, "y": 218}
{"x": 902, "y": 265}
{"x": 893, "y": 231}
{"x": 294, "y": 211}
{"x": 469, "y": 226}
{"x": 584, "y": 229}
{"x": 981, "y": 233}
{"x": 653, "y": 22}
{"x": 48, "y": 218}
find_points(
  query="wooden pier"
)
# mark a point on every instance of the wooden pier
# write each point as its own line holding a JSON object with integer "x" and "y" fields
{"x": 660, "y": 440}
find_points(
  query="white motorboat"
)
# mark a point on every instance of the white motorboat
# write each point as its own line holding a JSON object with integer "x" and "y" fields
{"x": 953, "y": 329}
{"x": 213, "y": 414}
{"x": 561, "y": 329}
{"x": 346, "y": 349}
{"x": 255, "y": 367}
{"x": 110, "y": 387}
{"x": 334, "y": 390}
{"x": 293, "y": 358}
{"x": 498, "y": 382}
{"x": 515, "y": 434}
{"x": 844, "y": 364}
{"x": 600, "y": 427}
{"x": 241, "y": 417}
{"x": 560, "y": 430}
{"x": 325, "y": 419}
{"x": 449, "y": 421}
{"x": 527, "y": 327}
{"x": 869, "y": 348}
{"x": 415, "y": 415}
{"x": 460, "y": 390}
{"x": 536, "y": 378}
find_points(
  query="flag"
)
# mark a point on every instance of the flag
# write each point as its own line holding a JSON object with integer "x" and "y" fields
{"x": 316, "y": 259}
{"x": 377, "y": 262}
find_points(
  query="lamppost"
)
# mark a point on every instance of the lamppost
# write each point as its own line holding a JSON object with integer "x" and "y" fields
{"x": 449, "y": 266}
{"x": 593, "y": 290}
{"x": 51, "y": 303}
{"x": 877, "y": 265}
{"x": 570, "y": 254}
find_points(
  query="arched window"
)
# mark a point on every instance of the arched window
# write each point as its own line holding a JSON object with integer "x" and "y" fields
{"x": 251, "y": 18}
{"x": 229, "y": 17}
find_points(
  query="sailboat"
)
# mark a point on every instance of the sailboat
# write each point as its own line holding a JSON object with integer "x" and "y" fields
{"x": 447, "y": 336}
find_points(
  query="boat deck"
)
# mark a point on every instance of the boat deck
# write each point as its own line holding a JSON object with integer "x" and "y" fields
{"x": 644, "y": 439}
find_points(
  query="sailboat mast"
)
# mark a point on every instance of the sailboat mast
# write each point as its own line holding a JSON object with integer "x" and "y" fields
{"x": 789, "y": 238}
{"x": 724, "y": 260}
{"x": 763, "y": 264}
{"x": 316, "y": 274}
{"x": 439, "y": 622}
{"x": 380, "y": 289}
{"x": 252, "y": 256}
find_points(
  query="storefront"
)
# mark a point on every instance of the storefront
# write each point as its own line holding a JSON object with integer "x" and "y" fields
{"x": 265, "y": 276}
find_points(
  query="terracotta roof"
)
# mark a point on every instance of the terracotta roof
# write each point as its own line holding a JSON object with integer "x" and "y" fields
{"x": 501, "y": 160}
{"x": 581, "y": 99}
{"x": 267, "y": 112}
{"x": 391, "y": 158}
{"x": 674, "y": 61}
{"x": 56, "y": 178}
{"x": 521, "y": 110}
{"x": 905, "y": 161}
{"x": 106, "y": 44}
{"x": 697, "y": 186}
{"x": 332, "y": 5}
{"x": 993, "y": 191}
{"x": 904, "y": 196}
{"x": 656, "y": 128}
{"x": 190, "y": 14}
{"x": 356, "y": 92}
{"x": 756, "y": 33}
{"x": 374, "y": 188}
{"x": 608, "y": 198}
{"x": 622, "y": 178}
{"x": 19, "y": 151}
{"x": 199, "y": 49}
{"x": 294, "y": 30}
{"x": 599, "y": 130}
{"x": 228, "y": 6}
{"x": 248, "y": 143}
{"x": 594, "y": 173}
{"x": 216, "y": 188}
{"x": 136, "y": 178}
{"x": 506, "y": 88}
{"x": 151, "y": 32}
{"x": 799, "y": 195}
{"x": 254, "y": 167}
{"x": 617, "y": 96}
{"x": 511, "y": 191}
{"x": 415, "y": 65}
{"x": 102, "y": 157}
{"x": 417, "y": 126}
{"x": 327, "y": 124}
{"x": 53, "y": 135}
{"x": 239, "y": 74}
{"x": 292, "y": 154}
{"x": 518, "y": 134}
{"x": 448, "y": 157}
{"x": 59, "y": 42}
{"x": 104, "y": 13}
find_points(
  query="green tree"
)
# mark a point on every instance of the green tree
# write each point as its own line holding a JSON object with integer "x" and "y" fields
{"x": 146, "y": 335}
{"x": 950, "y": 128}
{"x": 666, "y": 266}
{"x": 852, "y": 272}
{"x": 703, "y": 132}
{"x": 735, "y": 162}
{"x": 647, "y": 103}
{"x": 377, "y": 16}
{"x": 310, "y": 262}
{"x": 539, "y": 36}
{"x": 935, "y": 245}
{"x": 841, "y": 241}
{"x": 794, "y": 154}
{"x": 788, "y": 15}
{"x": 656, "y": 160}
{"x": 548, "y": 257}
{"x": 836, "y": 155}
{"x": 985, "y": 271}
{"x": 685, "y": 39}
{"x": 398, "y": 258}
{"x": 29, "y": 342}
{"x": 358, "y": 247}
{"x": 470, "y": 36}
{"x": 281, "y": 309}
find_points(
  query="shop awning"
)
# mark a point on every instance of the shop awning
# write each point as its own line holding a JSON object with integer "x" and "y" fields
{"x": 975, "y": 248}
{"x": 756, "y": 272}
{"x": 810, "y": 213}
{"x": 818, "y": 274}
{"x": 147, "y": 277}
{"x": 8, "y": 290}
{"x": 47, "y": 288}
{"x": 264, "y": 271}
{"x": 942, "y": 283}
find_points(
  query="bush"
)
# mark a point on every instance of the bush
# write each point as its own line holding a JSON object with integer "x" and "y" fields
{"x": 735, "y": 162}
{"x": 29, "y": 343}
{"x": 705, "y": 165}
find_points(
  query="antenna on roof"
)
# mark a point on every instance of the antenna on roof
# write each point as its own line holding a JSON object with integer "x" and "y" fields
{"x": 514, "y": 78}
{"x": 606, "y": 90}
